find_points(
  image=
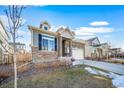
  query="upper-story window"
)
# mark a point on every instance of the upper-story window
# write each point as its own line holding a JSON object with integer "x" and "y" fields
{"x": 45, "y": 28}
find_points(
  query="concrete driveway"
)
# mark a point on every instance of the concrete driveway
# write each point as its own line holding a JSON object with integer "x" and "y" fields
{"x": 116, "y": 68}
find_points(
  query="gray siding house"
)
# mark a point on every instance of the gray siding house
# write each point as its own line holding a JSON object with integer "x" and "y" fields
{"x": 49, "y": 45}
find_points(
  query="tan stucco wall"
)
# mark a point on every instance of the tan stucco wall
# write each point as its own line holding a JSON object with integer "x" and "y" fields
{"x": 88, "y": 51}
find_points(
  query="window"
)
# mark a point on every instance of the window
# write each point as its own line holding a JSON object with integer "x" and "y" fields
{"x": 45, "y": 28}
{"x": 44, "y": 44}
{"x": 48, "y": 43}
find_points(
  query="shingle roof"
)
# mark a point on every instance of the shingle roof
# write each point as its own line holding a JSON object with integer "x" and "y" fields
{"x": 45, "y": 22}
{"x": 91, "y": 39}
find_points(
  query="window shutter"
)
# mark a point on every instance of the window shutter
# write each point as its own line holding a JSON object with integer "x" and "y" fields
{"x": 40, "y": 41}
{"x": 55, "y": 44}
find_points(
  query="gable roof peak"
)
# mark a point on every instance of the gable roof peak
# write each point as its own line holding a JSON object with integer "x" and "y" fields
{"x": 91, "y": 39}
{"x": 44, "y": 22}
{"x": 67, "y": 28}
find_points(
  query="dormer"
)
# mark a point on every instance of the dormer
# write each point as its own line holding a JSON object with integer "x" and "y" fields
{"x": 45, "y": 26}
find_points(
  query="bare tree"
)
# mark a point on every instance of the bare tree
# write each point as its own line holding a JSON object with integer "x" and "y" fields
{"x": 13, "y": 14}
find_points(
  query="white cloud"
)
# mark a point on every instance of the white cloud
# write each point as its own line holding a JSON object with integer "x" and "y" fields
{"x": 99, "y": 23}
{"x": 80, "y": 33}
{"x": 89, "y": 32}
{"x": 122, "y": 47}
{"x": 94, "y": 30}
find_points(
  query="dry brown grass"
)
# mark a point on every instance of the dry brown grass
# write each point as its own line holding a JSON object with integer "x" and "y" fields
{"x": 6, "y": 70}
{"x": 23, "y": 69}
{"x": 6, "y": 74}
{"x": 54, "y": 65}
{"x": 117, "y": 61}
{"x": 40, "y": 65}
{"x": 75, "y": 77}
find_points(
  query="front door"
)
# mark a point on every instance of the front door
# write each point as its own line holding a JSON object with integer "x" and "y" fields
{"x": 65, "y": 48}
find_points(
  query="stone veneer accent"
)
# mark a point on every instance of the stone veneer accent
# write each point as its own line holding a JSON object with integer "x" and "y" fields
{"x": 43, "y": 56}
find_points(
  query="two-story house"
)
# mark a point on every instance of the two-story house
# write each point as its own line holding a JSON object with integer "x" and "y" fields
{"x": 94, "y": 48}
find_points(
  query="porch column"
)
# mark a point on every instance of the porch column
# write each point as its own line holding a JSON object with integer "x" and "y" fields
{"x": 70, "y": 47}
{"x": 60, "y": 46}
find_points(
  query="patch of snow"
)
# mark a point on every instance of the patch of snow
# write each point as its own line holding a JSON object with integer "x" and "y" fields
{"x": 120, "y": 59}
{"x": 118, "y": 81}
{"x": 77, "y": 63}
{"x": 90, "y": 70}
{"x": 112, "y": 75}
{"x": 102, "y": 73}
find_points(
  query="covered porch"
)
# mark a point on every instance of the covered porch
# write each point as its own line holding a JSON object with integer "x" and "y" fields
{"x": 65, "y": 47}
{"x": 65, "y": 37}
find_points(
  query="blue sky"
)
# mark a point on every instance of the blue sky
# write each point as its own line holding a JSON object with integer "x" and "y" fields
{"x": 106, "y": 22}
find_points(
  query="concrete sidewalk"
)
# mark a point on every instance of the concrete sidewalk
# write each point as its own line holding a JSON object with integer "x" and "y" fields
{"x": 116, "y": 68}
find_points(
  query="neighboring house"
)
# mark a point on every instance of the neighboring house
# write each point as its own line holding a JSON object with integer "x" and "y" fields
{"x": 121, "y": 54}
{"x": 106, "y": 49}
{"x": 115, "y": 51}
{"x": 4, "y": 43}
{"x": 19, "y": 47}
{"x": 49, "y": 45}
{"x": 94, "y": 48}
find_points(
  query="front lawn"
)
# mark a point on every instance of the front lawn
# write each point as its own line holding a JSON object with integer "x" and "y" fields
{"x": 75, "y": 77}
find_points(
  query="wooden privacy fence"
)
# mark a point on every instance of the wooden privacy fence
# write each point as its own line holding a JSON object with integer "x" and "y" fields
{"x": 20, "y": 57}
{"x": 6, "y": 58}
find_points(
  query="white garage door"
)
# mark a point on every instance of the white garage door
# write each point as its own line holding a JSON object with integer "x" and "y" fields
{"x": 78, "y": 53}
